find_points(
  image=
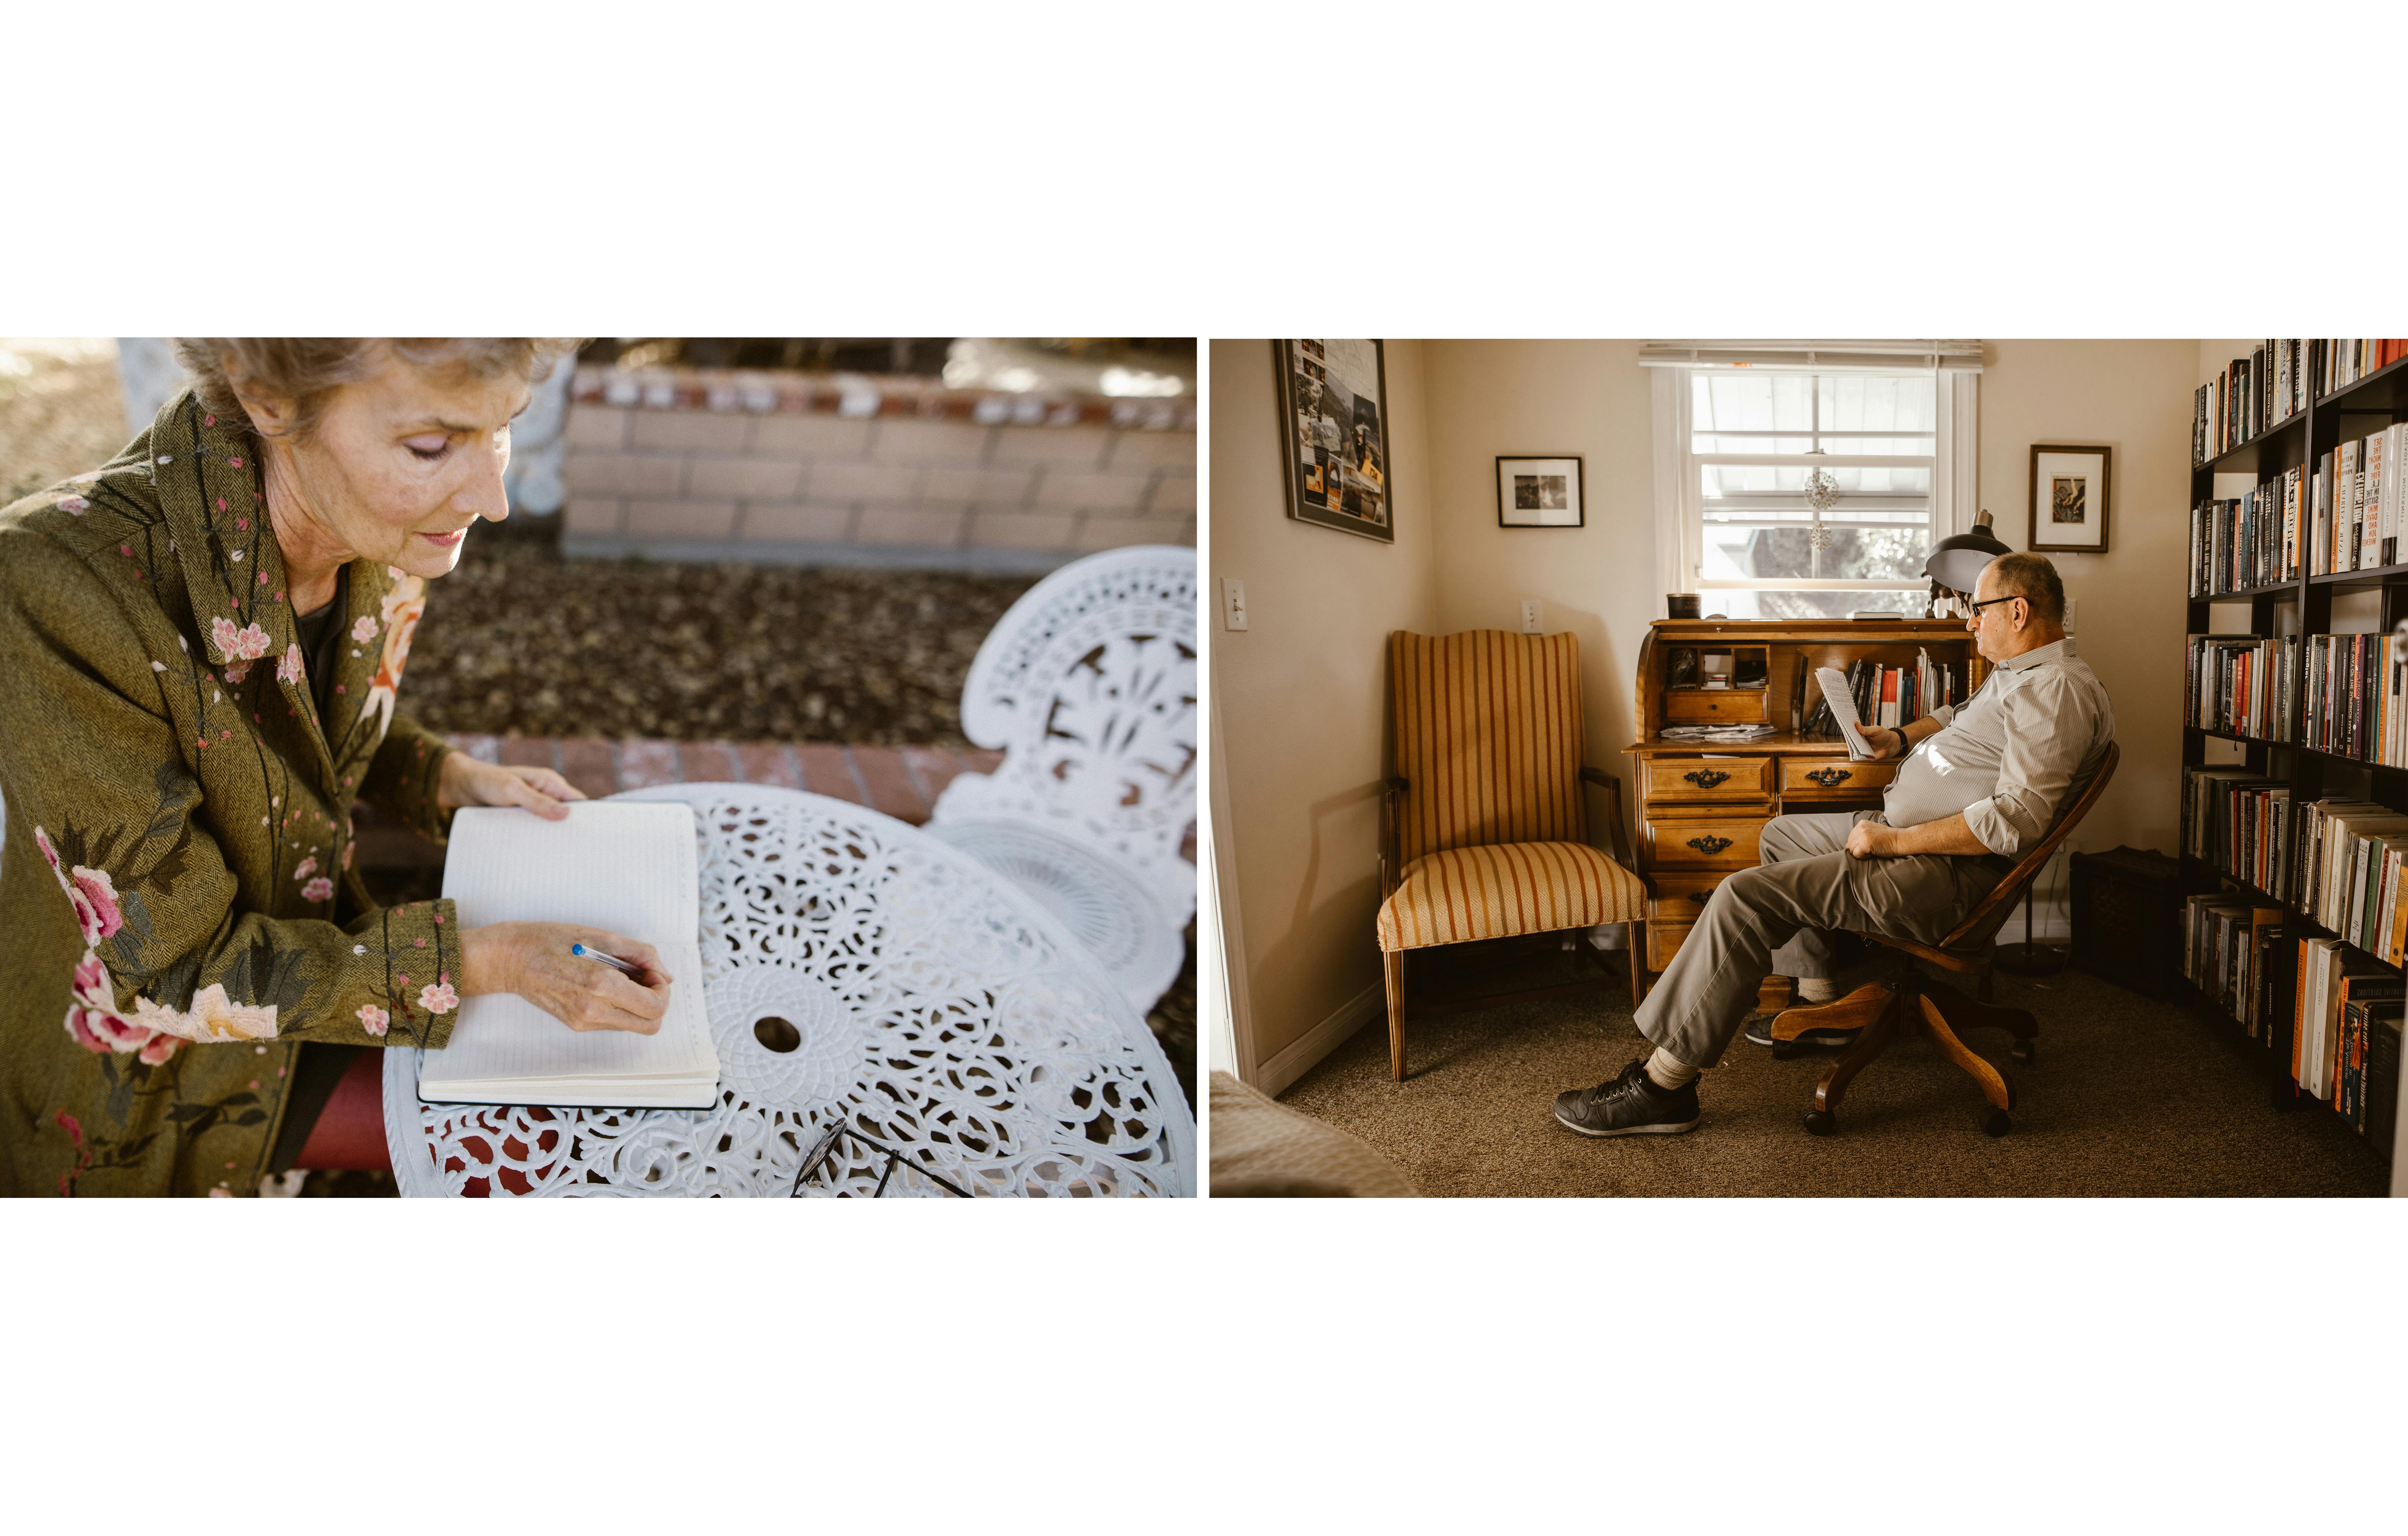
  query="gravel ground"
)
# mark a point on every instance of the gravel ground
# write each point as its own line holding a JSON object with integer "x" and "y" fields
{"x": 518, "y": 641}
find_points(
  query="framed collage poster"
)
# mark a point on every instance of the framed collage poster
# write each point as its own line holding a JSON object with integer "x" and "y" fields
{"x": 2069, "y": 500}
{"x": 1333, "y": 403}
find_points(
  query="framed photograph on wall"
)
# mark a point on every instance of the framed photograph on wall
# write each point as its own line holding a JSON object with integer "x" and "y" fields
{"x": 2069, "y": 489}
{"x": 1333, "y": 408}
{"x": 1539, "y": 493}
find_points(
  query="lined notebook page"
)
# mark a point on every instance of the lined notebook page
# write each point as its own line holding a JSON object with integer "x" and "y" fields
{"x": 628, "y": 868}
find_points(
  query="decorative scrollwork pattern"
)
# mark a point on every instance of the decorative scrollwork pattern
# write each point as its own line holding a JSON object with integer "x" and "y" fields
{"x": 1710, "y": 844}
{"x": 926, "y": 1001}
{"x": 1830, "y": 778}
{"x": 1706, "y": 778}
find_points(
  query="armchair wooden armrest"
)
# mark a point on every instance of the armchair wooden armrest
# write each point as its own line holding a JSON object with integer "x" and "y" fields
{"x": 1613, "y": 810}
{"x": 1391, "y": 791}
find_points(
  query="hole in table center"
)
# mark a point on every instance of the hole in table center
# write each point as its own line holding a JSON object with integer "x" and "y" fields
{"x": 776, "y": 1034}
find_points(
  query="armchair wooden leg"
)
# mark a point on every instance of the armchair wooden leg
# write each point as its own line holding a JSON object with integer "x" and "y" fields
{"x": 1392, "y": 966}
{"x": 1636, "y": 934}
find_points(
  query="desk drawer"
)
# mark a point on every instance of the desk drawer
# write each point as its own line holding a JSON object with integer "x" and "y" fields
{"x": 1833, "y": 778}
{"x": 1713, "y": 706}
{"x": 1664, "y": 941}
{"x": 1706, "y": 842}
{"x": 1679, "y": 899}
{"x": 1710, "y": 778}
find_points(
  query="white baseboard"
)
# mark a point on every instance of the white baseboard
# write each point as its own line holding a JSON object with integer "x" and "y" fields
{"x": 1273, "y": 1076}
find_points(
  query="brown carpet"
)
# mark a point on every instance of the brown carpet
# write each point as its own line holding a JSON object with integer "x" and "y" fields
{"x": 2127, "y": 1096}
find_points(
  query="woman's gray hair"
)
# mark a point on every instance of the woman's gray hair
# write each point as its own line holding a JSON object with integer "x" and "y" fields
{"x": 307, "y": 370}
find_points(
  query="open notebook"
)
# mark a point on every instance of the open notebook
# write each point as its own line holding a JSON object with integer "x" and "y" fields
{"x": 628, "y": 868}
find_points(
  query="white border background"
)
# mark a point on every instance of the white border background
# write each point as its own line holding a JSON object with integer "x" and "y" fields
{"x": 1099, "y": 169}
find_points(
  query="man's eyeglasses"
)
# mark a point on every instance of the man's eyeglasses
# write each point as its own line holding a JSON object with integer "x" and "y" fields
{"x": 1975, "y": 609}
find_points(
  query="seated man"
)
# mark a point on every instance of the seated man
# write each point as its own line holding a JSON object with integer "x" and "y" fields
{"x": 1984, "y": 782}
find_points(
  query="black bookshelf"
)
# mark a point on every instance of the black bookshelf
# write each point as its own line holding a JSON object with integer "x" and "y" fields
{"x": 2298, "y": 442}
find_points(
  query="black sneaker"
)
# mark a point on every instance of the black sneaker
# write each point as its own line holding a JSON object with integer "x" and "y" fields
{"x": 1630, "y": 1105}
{"x": 1758, "y": 1031}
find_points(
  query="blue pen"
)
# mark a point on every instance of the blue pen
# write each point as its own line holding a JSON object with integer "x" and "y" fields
{"x": 588, "y": 952}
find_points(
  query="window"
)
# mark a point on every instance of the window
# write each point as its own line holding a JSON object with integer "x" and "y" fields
{"x": 1744, "y": 441}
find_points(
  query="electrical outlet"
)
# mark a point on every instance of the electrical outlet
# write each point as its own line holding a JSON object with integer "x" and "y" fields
{"x": 1233, "y": 602}
{"x": 1533, "y": 616}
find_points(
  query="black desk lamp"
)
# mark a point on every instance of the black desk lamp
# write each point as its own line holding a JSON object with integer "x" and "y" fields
{"x": 1954, "y": 566}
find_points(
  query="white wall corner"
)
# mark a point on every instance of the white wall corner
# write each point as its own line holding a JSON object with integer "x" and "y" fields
{"x": 1274, "y": 1076}
{"x": 1221, "y": 938}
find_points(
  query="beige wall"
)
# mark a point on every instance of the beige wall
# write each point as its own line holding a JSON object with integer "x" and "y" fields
{"x": 1301, "y": 695}
{"x": 1597, "y": 582}
{"x": 2135, "y": 397}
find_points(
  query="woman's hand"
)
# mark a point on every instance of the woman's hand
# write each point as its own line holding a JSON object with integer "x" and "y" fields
{"x": 466, "y": 780}
{"x": 531, "y": 960}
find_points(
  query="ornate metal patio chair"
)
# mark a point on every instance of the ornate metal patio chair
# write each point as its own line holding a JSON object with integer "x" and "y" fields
{"x": 1088, "y": 687}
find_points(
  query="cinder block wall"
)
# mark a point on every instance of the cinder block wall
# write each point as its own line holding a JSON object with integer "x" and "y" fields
{"x": 689, "y": 464}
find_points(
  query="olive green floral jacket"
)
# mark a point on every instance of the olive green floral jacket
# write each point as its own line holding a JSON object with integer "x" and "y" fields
{"x": 181, "y": 907}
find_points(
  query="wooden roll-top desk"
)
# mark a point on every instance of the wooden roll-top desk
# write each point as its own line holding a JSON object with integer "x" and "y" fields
{"x": 1702, "y": 806}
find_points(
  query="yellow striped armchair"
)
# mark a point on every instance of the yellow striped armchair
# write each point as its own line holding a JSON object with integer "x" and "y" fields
{"x": 1486, "y": 824}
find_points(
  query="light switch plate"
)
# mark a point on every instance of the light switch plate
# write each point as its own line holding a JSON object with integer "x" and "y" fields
{"x": 1534, "y": 621}
{"x": 1233, "y": 602}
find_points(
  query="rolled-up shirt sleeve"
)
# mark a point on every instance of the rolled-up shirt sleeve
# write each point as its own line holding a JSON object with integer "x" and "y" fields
{"x": 2046, "y": 737}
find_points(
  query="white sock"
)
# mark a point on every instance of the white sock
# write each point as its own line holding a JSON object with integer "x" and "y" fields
{"x": 1667, "y": 1071}
{"x": 1818, "y": 989}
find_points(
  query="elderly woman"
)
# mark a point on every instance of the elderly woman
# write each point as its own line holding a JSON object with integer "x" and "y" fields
{"x": 204, "y": 640}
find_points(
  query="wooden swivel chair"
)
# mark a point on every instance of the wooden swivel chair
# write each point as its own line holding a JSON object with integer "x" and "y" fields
{"x": 1485, "y": 828}
{"x": 1909, "y": 1002}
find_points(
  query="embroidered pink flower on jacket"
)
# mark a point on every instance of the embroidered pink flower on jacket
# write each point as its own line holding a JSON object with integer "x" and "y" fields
{"x": 103, "y": 1033}
{"x": 213, "y": 1017}
{"x": 439, "y": 998}
{"x": 249, "y": 643}
{"x": 76, "y": 505}
{"x": 289, "y": 670}
{"x": 308, "y": 866}
{"x": 92, "y": 894}
{"x": 363, "y": 629}
{"x": 42, "y": 840}
{"x": 159, "y": 1049}
{"x": 374, "y": 1019}
{"x": 320, "y": 889}
{"x": 238, "y": 673}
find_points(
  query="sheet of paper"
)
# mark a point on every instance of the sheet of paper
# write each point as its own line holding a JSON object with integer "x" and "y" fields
{"x": 628, "y": 868}
{"x": 1834, "y": 683}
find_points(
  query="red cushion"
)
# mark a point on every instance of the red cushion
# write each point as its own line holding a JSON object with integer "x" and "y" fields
{"x": 349, "y": 1132}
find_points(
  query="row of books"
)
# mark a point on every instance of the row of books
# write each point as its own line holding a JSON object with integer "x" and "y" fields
{"x": 2349, "y": 872}
{"x": 1893, "y": 695}
{"x": 2250, "y": 541}
{"x": 2240, "y": 685}
{"x": 2345, "y": 1007}
{"x": 2348, "y": 362}
{"x": 2250, "y": 396}
{"x": 2356, "y": 697}
{"x": 2232, "y": 953}
{"x": 2239, "y": 823}
{"x": 2360, "y": 496}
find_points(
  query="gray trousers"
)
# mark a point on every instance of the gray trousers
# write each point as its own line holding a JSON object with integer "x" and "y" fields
{"x": 1776, "y": 919}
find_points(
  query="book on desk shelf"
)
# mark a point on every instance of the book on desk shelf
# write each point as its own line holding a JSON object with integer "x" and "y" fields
{"x": 628, "y": 868}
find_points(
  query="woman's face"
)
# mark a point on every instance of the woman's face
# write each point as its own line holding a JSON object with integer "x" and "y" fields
{"x": 400, "y": 465}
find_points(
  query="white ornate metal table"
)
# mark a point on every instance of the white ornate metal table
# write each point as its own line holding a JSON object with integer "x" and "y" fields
{"x": 926, "y": 1003}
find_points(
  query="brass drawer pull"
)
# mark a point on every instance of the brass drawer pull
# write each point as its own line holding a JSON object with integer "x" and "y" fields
{"x": 1700, "y": 896}
{"x": 1828, "y": 778}
{"x": 1709, "y": 845}
{"x": 1706, "y": 778}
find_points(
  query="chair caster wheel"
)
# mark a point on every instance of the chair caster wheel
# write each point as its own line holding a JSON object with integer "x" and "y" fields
{"x": 2022, "y": 1052}
{"x": 1783, "y": 1051}
{"x": 1996, "y": 1123}
{"x": 1821, "y": 1122}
